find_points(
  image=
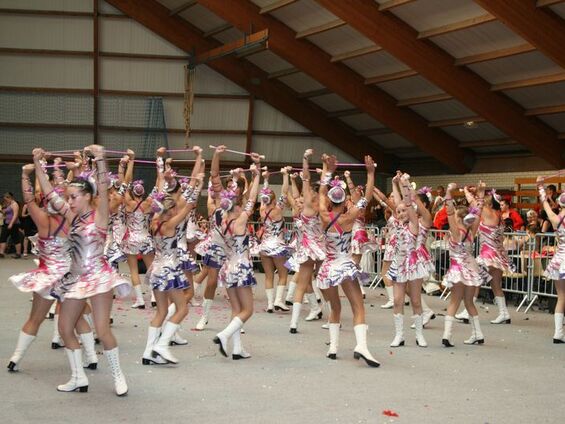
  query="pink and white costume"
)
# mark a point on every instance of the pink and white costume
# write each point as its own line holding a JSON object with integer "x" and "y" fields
{"x": 90, "y": 273}
{"x": 137, "y": 239}
{"x": 213, "y": 247}
{"x": 116, "y": 233}
{"x": 392, "y": 228}
{"x": 556, "y": 267}
{"x": 338, "y": 265}
{"x": 292, "y": 264}
{"x": 492, "y": 252}
{"x": 54, "y": 262}
{"x": 272, "y": 243}
{"x": 363, "y": 241}
{"x": 417, "y": 263}
{"x": 310, "y": 244}
{"x": 237, "y": 270}
{"x": 463, "y": 267}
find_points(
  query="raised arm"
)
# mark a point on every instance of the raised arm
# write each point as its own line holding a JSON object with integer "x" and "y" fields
{"x": 328, "y": 167}
{"x": 38, "y": 215}
{"x": 102, "y": 181}
{"x": 308, "y": 208}
{"x": 215, "y": 169}
{"x": 362, "y": 202}
{"x": 552, "y": 216}
{"x": 396, "y": 195}
{"x": 450, "y": 205}
{"x": 128, "y": 178}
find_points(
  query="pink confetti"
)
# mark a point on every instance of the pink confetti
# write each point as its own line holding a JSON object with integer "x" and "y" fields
{"x": 390, "y": 413}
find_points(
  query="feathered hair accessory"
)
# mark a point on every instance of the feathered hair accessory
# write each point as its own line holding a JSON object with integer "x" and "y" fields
{"x": 137, "y": 188}
{"x": 427, "y": 191}
{"x": 265, "y": 195}
{"x": 495, "y": 197}
{"x": 84, "y": 180}
{"x": 337, "y": 191}
{"x": 184, "y": 181}
{"x": 157, "y": 206}
{"x": 561, "y": 200}
{"x": 227, "y": 198}
{"x": 471, "y": 216}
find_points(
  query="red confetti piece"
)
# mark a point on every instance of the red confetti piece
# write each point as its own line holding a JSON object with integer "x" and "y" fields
{"x": 390, "y": 413}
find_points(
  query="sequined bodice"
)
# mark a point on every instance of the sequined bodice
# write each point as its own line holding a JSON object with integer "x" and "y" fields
{"x": 460, "y": 251}
{"x": 338, "y": 245}
{"x": 54, "y": 252}
{"x": 311, "y": 227}
{"x": 166, "y": 245}
{"x": 137, "y": 222}
{"x": 87, "y": 244}
{"x": 273, "y": 228}
{"x": 238, "y": 245}
{"x": 492, "y": 235}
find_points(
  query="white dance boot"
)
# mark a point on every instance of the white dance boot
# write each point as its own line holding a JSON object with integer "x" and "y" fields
{"x": 238, "y": 352}
{"x": 361, "y": 351}
{"x": 223, "y": 336}
{"x": 315, "y": 310}
{"x": 296, "y": 307}
{"x": 88, "y": 319}
{"x": 56, "y": 341}
{"x": 398, "y": 331}
{"x": 334, "y": 341}
{"x": 503, "y": 314}
{"x": 289, "y": 300}
{"x": 24, "y": 341}
{"x": 203, "y": 321}
{"x": 558, "y": 336}
{"x": 419, "y": 326}
{"x": 390, "y": 295}
{"x": 270, "y": 293}
{"x": 427, "y": 314}
{"x": 177, "y": 339}
{"x": 161, "y": 348}
{"x": 90, "y": 358}
{"x": 139, "y": 302}
{"x": 78, "y": 380}
{"x": 120, "y": 384}
{"x": 153, "y": 334}
{"x": 447, "y": 328}
{"x": 476, "y": 333}
{"x": 464, "y": 315}
{"x": 279, "y": 304}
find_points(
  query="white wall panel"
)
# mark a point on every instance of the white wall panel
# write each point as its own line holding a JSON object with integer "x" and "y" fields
{"x": 361, "y": 121}
{"x": 141, "y": 75}
{"x": 217, "y": 114}
{"x": 267, "y": 118}
{"x": 69, "y": 72}
{"x": 68, "y": 5}
{"x": 210, "y": 82}
{"x": 234, "y": 142}
{"x": 128, "y": 36}
{"x": 23, "y": 141}
{"x": 291, "y": 149}
{"x": 46, "y": 32}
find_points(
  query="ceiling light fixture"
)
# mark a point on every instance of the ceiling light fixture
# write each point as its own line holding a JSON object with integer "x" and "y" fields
{"x": 470, "y": 125}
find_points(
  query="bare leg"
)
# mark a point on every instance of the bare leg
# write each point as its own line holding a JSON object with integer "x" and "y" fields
{"x": 353, "y": 293}
{"x": 101, "y": 309}
{"x": 71, "y": 311}
{"x": 39, "y": 309}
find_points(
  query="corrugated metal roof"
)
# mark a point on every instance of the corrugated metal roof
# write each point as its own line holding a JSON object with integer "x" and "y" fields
{"x": 378, "y": 63}
{"x": 301, "y": 82}
{"x": 202, "y": 18}
{"x": 426, "y": 14}
{"x": 332, "y": 102}
{"x": 361, "y": 121}
{"x": 523, "y": 66}
{"x": 303, "y": 14}
{"x": 448, "y": 109}
{"x": 406, "y": 88}
{"x": 479, "y": 39}
{"x": 543, "y": 95}
{"x": 269, "y": 61}
{"x": 391, "y": 141}
{"x": 483, "y": 131}
{"x": 340, "y": 40}
{"x": 229, "y": 35}
{"x": 557, "y": 121}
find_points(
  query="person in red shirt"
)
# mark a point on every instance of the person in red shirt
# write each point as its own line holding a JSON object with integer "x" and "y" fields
{"x": 507, "y": 212}
{"x": 440, "y": 219}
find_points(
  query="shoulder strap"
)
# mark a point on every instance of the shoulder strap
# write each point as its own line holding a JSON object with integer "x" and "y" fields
{"x": 334, "y": 222}
{"x": 228, "y": 230}
{"x": 59, "y": 228}
{"x": 267, "y": 215}
{"x": 560, "y": 222}
{"x": 137, "y": 206}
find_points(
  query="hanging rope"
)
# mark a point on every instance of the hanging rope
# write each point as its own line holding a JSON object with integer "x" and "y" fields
{"x": 189, "y": 72}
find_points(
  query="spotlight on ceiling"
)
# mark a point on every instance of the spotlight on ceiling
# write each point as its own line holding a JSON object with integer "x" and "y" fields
{"x": 470, "y": 125}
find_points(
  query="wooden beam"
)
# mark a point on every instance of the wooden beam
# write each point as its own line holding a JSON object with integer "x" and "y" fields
{"x": 374, "y": 131}
{"x": 170, "y": 94}
{"x": 343, "y": 81}
{"x": 33, "y": 12}
{"x": 183, "y": 35}
{"x": 437, "y": 66}
{"x": 544, "y": 3}
{"x": 488, "y": 143}
{"x": 45, "y": 90}
{"x": 495, "y": 54}
{"x": 217, "y": 30}
{"x": 457, "y": 26}
{"x": 455, "y": 121}
{"x": 390, "y": 77}
{"x": 46, "y": 126}
{"x": 118, "y": 55}
{"x": 355, "y": 53}
{"x": 45, "y": 52}
{"x": 345, "y": 112}
{"x": 546, "y": 110}
{"x": 529, "y": 82}
{"x": 276, "y": 6}
{"x": 391, "y": 4}
{"x": 249, "y": 134}
{"x": 413, "y": 101}
{"x": 283, "y": 73}
{"x": 319, "y": 29}
{"x": 251, "y": 40}
{"x": 561, "y": 136}
{"x": 541, "y": 27}
{"x": 182, "y": 7}
{"x": 314, "y": 93}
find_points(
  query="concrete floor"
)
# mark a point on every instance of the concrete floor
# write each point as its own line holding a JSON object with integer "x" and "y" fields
{"x": 516, "y": 377}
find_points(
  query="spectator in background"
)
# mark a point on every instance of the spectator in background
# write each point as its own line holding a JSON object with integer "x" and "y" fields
{"x": 551, "y": 193}
{"x": 10, "y": 227}
{"x": 441, "y": 220}
{"x": 28, "y": 227}
{"x": 508, "y": 212}
{"x": 533, "y": 219}
{"x": 439, "y": 200}
{"x": 546, "y": 226}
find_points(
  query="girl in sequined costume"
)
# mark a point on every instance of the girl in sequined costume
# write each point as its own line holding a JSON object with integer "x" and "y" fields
{"x": 236, "y": 274}
{"x": 53, "y": 249}
{"x": 137, "y": 239}
{"x": 492, "y": 255}
{"x": 338, "y": 268}
{"x": 272, "y": 248}
{"x": 90, "y": 276}
{"x": 310, "y": 248}
{"x": 166, "y": 276}
{"x": 412, "y": 263}
{"x": 556, "y": 267}
{"x": 463, "y": 276}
